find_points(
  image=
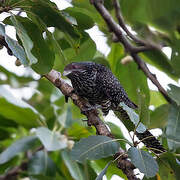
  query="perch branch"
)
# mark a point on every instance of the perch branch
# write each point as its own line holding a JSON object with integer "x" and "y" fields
{"x": 115, "y": 28}
{"x": 3, "y": 43}
{"x": 67, "y": 90}
{"x": 93, "y": 119}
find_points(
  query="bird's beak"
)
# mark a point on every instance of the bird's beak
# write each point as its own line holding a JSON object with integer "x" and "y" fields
{"x": 66, "y": 72}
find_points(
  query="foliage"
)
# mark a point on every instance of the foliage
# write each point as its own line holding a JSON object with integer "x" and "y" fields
{"x": 41, "y": 131}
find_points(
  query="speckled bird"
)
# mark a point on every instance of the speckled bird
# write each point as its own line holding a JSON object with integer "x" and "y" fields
{"x": 98, "y": 85}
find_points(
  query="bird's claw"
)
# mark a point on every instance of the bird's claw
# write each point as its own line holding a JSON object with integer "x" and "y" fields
{"x": 89, "y": 108}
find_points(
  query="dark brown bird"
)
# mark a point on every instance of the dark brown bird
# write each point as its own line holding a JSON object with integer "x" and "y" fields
{"x": 98, "y": 85}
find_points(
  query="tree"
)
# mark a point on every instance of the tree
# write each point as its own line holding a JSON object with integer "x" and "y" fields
{"x": 46, "y": 138}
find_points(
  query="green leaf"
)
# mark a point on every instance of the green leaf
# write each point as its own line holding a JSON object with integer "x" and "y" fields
{"x": 2, "y": 30}
{"x": 103, "y": 172}
{"x": 173, "y": 127}
{"x": 116, "y": 54}
{"x": 17, "y": 50}
{"x": 133, "y": 80}
{"x": 88, "y": 9}
{"x": 54, "y": 18}
{"x": 156, "y": 98}
{"x": 14, "y": 109}
{"x": 168, "y": 167}
{"x": 150, "y": 12}
{"x": 17, "y": 147}
{"x": 94, "y": 147}
{"x": 134, "y": 118}
{"x": 160, "y": 61}
{"x": 41, "y": 164}
{"x": 25, "y": 39}
{"x": 65, "y": 116}
{"x": 117, "y": 133}
{"x": 78, "y": 131}
{"x": 143, "y": 161}
{"x": 174, "y": 93}
{"x": 98, "y": 165}
{"x": 21, "y": 80}
{"x": 5, "y": 122}
{"x": 72, "y": 166}
{"x": 40, "y": 47}
{"x": 159, "y": 117}
{"x": 143, "y": 108}
{"x": 52, "y": 141}
{"x": 83, "y": 20}
{"x": 82, "y": 54}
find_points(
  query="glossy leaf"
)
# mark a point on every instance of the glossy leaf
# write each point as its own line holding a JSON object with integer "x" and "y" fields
{"x": 159, "y": 117}
{"x": 25, "y": 39}
{"x": 85, "y": 51}
{"x": 173, "y": 127}
{"x": 160, "y": 61}
{"x": 174, "y": 93}
{"x": 40, "y": 48}
{"x": 83, "y": 20}
{"x": 117, "y": 132}
{"x": 54, "y": 18}
{"x": 17, "y": 147}
{"x": 94, "y": 147}
{"x": 103, "y": 172}
{"x": 73, "y": 167}
{"x": 169, "y": 167}
{"x": 134, "y": 118}
{"x": 13, "y": 109}
{"x": 98, "y": 165}
{"x": 156, "y": 98}
{"x": 17, "y": 50}
{"x": 143, "y": 161}
{"x": 52, "y": 141}
{"x": 41, "y": 164}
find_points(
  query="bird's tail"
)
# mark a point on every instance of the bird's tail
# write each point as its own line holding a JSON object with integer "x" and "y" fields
{"x": 150, "y": 141}
{"x": 130, "y": 104}
{"x": 146, "y": 137}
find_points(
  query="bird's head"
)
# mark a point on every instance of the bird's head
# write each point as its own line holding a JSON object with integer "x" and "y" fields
{"x": 78, "y": 68}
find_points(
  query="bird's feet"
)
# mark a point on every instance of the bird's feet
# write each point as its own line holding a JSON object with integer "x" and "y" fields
{"x": 89, "y": 108}
{"x": 67, "y": 97}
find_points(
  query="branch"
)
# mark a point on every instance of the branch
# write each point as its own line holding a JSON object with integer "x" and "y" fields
{"x": 147, "y": 45}
{"x": 93, "y": 119}
{"x": 67, "y": 90}
{"x": 115, "y": 28}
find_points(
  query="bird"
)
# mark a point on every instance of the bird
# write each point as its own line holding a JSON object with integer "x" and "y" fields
{"x": 98, "y": 85}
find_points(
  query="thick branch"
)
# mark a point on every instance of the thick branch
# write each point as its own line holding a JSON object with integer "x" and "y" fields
{"x": 115, "y": 28}
{"x": 67, "y": 90}
{"x": 93, "y": 119}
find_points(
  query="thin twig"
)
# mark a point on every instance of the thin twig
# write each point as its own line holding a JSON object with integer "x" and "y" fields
{"x": 147, "y": 45}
